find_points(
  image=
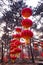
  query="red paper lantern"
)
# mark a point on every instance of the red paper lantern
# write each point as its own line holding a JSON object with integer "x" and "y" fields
{"x": 17, "y": 42}
{"x": 13, "y": 51}
{"x": 18, "y": 29}
{"x": 26, "y": 12}
{"x": 18, "y": 50}
{"x": 11, "y": 48}
{"x": 18, "y": 36}
{"x": 26, "y": 23}
{"x": 27, "y": 34}
{"x": 13, "y": 57}
{"x": 12, "y": 41}
{"x": 13, "y": 45}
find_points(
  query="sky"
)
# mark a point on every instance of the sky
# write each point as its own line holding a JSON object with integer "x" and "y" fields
{"x": 33, "y": 3}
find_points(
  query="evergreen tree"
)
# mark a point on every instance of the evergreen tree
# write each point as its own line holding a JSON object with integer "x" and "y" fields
{"x": 39, "y": 9}
{"x": 38, "y": 20}
{"x": 11, "y": 16}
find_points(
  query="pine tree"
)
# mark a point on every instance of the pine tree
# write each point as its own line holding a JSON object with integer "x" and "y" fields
{"x": 12, "y": 18}
{"x": 39, "y": 9}
{"x": 38, "y": 16}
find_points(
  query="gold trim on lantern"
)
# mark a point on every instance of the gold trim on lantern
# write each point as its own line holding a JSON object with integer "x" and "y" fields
{"x": 27, "y": 41}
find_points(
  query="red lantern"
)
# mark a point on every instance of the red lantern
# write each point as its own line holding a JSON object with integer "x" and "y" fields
{"x": 12, "y": 41}
{"x": 27, "y": 34}
{"x": 18, "y": 36}
{"x": 26, "y": 12}
{"x": 13, "y": 57}
{"x": 13, "y": 45}
{"x": 26, "y": 23}
{"x": 18, "y": 50}
{"x": 18, "y": 29}
{"x": 13, "y": 51}
{"x": 11, "y": 48}
{"x": 17, "y": 42}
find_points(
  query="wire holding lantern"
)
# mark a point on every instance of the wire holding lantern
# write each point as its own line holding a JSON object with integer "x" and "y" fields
{"x": 18, "y": 29}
